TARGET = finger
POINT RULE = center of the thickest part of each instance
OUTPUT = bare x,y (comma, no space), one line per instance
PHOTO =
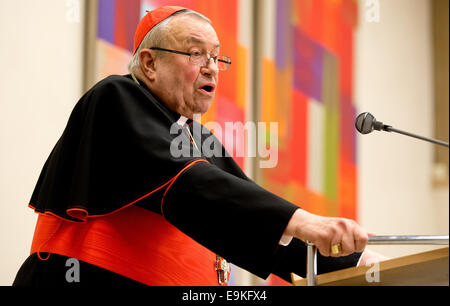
348,244
361,240
324,248
323,243
324,251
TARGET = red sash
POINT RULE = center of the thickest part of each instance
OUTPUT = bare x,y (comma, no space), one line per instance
132,242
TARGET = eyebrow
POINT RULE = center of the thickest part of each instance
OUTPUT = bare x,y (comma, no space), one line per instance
196,40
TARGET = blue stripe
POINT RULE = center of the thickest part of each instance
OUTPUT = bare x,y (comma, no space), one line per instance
106,12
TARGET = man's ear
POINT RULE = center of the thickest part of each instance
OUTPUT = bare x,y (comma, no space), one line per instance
147,63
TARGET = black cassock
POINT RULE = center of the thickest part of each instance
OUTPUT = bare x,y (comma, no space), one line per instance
116,148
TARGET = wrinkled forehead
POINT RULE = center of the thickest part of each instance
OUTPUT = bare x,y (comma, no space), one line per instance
187,31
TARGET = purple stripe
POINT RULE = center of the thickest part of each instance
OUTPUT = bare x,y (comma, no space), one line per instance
282,25
106,10
308,65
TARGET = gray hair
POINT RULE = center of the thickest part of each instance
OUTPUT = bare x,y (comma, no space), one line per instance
158,34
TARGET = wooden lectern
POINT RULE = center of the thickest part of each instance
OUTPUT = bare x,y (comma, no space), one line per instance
423,269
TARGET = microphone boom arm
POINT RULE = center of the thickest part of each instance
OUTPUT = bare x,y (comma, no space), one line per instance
388,128
365,123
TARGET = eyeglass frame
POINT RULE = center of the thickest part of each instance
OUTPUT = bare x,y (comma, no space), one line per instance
215,58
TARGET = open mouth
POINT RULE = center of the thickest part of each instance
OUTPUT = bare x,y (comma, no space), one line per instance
207,88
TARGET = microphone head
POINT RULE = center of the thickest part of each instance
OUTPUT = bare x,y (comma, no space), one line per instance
365,123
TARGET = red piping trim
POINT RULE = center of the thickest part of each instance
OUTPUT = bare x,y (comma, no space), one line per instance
73,211
175,178
38,252
188,136
78,213
47,212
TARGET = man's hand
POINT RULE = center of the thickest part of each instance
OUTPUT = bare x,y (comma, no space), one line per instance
325,232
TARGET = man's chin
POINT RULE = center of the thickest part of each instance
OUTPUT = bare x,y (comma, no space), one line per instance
203,107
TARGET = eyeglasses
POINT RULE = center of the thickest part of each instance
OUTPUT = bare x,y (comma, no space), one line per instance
202,59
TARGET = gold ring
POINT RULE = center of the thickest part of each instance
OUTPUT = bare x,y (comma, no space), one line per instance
336,248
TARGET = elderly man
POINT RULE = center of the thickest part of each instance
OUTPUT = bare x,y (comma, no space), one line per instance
115,207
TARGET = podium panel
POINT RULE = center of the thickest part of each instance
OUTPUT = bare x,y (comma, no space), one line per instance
423,269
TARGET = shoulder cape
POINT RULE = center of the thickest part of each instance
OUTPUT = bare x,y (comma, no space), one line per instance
114,151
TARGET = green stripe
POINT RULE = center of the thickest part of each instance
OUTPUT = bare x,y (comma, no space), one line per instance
330,95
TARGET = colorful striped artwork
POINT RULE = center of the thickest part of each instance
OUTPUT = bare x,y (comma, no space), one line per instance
307,84
306,87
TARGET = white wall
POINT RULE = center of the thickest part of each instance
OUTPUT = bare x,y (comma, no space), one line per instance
41,79
393,81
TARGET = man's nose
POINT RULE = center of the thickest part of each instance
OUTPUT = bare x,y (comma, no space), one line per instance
210,68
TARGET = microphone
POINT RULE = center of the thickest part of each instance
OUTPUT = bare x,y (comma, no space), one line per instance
365,123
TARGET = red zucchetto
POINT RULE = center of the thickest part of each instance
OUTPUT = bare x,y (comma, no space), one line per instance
150,20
